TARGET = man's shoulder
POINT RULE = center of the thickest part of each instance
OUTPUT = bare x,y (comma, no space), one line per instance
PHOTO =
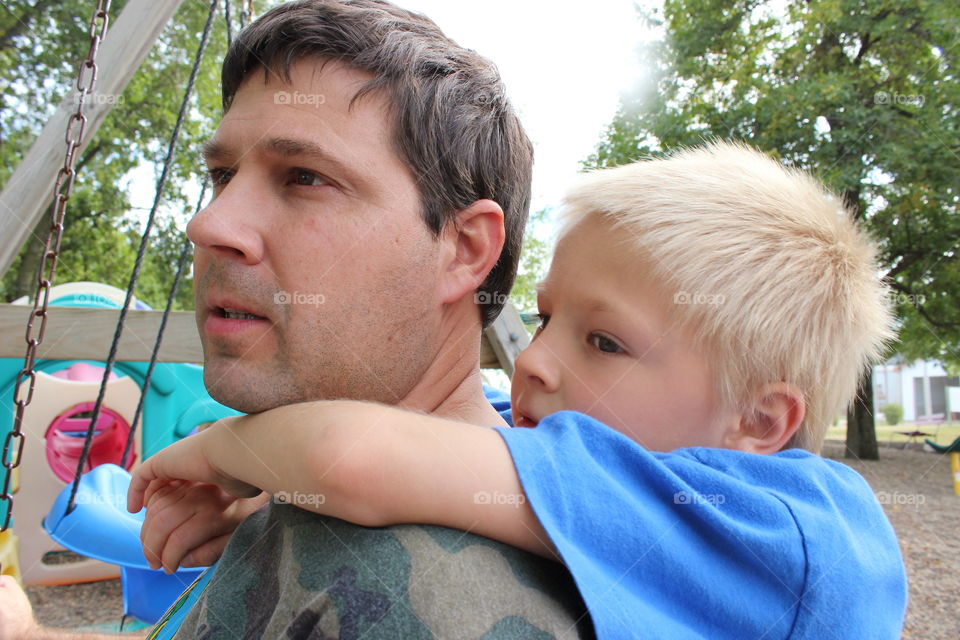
288,571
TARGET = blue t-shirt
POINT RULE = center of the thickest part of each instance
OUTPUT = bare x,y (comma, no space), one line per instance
711,543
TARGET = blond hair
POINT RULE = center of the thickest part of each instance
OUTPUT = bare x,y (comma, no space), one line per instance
766,268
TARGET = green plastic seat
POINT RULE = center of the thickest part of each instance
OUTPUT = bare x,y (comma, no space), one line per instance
953,447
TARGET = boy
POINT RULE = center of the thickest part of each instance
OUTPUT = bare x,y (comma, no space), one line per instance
707,315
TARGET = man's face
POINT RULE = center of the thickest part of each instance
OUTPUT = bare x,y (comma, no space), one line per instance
315,275
608,347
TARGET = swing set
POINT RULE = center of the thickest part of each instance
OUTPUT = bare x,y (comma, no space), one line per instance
91,445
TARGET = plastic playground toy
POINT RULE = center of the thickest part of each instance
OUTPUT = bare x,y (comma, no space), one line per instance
954,450
98,528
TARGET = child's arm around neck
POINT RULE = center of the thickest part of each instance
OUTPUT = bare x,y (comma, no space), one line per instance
369,464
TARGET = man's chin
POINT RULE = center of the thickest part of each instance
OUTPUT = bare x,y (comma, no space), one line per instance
244,395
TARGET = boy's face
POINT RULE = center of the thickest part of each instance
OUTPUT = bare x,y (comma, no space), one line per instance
608,347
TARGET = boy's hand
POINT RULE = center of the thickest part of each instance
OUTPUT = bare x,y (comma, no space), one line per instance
188,524
185,459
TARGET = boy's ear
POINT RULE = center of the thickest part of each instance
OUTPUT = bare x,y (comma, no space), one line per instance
472,243
768,424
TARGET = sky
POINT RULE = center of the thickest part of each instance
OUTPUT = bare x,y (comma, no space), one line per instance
564,64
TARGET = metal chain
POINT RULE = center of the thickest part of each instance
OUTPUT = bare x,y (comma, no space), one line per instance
246,13
154,355
229,21
86,79
141,252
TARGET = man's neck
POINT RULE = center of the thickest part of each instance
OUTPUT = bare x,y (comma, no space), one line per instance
451,387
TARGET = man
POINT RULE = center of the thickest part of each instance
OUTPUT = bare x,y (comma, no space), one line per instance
372,185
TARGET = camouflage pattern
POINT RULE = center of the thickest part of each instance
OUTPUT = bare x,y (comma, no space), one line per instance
292,574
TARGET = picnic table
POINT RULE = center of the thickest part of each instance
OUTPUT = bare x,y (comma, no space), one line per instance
933,420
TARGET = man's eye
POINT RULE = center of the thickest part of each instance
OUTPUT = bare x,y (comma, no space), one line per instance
542,320
308,178
605,344
219,177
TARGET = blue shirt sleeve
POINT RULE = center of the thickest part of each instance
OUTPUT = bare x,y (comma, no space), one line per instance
709,542
500,400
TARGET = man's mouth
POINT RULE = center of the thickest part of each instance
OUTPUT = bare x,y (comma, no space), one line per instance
235,314
228,319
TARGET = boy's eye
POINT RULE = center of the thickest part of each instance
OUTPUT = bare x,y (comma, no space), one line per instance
605,344
308,178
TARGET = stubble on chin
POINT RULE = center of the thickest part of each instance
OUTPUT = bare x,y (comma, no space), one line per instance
232,383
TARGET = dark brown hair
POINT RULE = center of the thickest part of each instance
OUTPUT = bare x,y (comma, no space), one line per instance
453,124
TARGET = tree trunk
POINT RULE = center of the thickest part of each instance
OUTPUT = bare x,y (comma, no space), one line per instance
26,282
861,428
27,270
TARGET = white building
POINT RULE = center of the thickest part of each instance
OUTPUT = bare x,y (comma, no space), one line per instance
920,387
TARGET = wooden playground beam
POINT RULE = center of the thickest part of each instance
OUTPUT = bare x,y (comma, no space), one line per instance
504,339
29,190
81,333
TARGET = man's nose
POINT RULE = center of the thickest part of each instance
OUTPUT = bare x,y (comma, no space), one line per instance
231,224
539,366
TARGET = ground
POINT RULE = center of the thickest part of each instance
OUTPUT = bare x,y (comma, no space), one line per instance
914,486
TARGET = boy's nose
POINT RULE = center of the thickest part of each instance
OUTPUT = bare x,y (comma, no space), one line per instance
537,367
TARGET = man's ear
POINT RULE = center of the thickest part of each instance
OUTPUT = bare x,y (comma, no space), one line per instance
768,424
472,243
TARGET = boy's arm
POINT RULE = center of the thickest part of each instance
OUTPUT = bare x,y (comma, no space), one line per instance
369,464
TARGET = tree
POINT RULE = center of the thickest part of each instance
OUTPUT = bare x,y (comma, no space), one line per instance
533,264
41,44
862,92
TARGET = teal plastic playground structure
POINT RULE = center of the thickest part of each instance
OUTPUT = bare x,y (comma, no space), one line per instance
175,404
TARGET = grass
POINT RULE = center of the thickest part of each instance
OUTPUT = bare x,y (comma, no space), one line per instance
948,432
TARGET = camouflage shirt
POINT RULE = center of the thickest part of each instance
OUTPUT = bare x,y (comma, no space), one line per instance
292,574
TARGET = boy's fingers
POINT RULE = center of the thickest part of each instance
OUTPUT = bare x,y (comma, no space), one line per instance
181,519
135,494
158,487
164,515
205,526
207,553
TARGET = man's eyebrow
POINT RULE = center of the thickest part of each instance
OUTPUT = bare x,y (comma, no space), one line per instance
213,151
287,147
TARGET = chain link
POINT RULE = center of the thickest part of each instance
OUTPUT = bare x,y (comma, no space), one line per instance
86,78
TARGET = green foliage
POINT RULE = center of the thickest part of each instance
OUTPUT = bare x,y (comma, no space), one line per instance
893,414
534,260
863,93
41,44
